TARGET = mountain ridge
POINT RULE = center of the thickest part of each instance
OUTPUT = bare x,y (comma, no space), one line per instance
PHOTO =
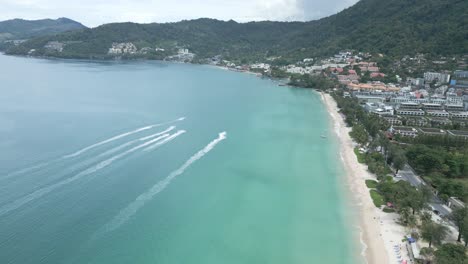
22,29
397,27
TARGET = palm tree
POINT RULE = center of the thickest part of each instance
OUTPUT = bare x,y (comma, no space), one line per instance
433,233
426,217
405,213
411,222
428,254
458,216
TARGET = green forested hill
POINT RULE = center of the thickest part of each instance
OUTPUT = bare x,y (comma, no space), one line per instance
394,27
23,29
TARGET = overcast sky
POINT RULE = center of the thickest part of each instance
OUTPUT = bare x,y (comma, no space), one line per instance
96,12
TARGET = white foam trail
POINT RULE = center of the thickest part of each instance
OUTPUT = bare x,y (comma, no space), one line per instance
43,191
81,151
118,148
157,134
172,137
125,214
22,171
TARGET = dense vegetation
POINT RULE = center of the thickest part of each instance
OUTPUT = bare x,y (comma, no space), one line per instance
448,164
23,29
312,81
445,169
396,27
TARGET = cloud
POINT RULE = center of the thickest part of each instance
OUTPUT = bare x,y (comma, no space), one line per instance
96,12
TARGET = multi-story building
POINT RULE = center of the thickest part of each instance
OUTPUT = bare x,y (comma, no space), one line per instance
432,132
455,107
405,112
438,113
460,74
393,120
404,131
439,121
459,115
432,106
409,106
436,76
416,121
459,133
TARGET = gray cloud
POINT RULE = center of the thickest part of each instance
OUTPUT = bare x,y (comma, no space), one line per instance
96,12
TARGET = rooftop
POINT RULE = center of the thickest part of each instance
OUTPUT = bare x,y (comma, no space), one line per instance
400,128
459,133
433,131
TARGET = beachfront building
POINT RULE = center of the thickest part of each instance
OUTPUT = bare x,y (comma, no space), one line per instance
345,79
379,109
432,106
437,113
406,112
455,107
410,106
393,120
122,48
54,46
416,121
459,115
373,86
439,121
458,133
404,131
370,99
260,66
432,132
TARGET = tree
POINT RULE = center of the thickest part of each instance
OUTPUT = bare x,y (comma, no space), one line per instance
399,160
411,222
458,216
417,198
465,231
359,134
450,254
433,233
427,253
426,217
404,214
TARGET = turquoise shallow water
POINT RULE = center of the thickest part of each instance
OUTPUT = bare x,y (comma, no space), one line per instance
78,183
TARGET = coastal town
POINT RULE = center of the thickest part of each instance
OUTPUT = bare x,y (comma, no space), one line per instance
426,109
414,116
406,122
264,131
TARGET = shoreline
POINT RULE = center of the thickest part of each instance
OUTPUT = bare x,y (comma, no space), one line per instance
378,231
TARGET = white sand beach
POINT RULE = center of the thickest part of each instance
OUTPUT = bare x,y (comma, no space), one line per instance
379,231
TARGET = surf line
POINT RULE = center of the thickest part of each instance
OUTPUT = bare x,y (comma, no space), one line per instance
43,191
124,215
81,151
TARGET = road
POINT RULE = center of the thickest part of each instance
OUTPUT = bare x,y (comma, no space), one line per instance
407,174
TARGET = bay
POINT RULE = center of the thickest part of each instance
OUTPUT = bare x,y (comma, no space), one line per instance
240,172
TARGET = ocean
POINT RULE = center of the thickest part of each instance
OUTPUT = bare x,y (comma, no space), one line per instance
154,162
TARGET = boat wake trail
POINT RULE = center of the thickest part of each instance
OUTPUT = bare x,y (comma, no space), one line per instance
43,191
170,138
125,214
81,151
118,148
25,170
